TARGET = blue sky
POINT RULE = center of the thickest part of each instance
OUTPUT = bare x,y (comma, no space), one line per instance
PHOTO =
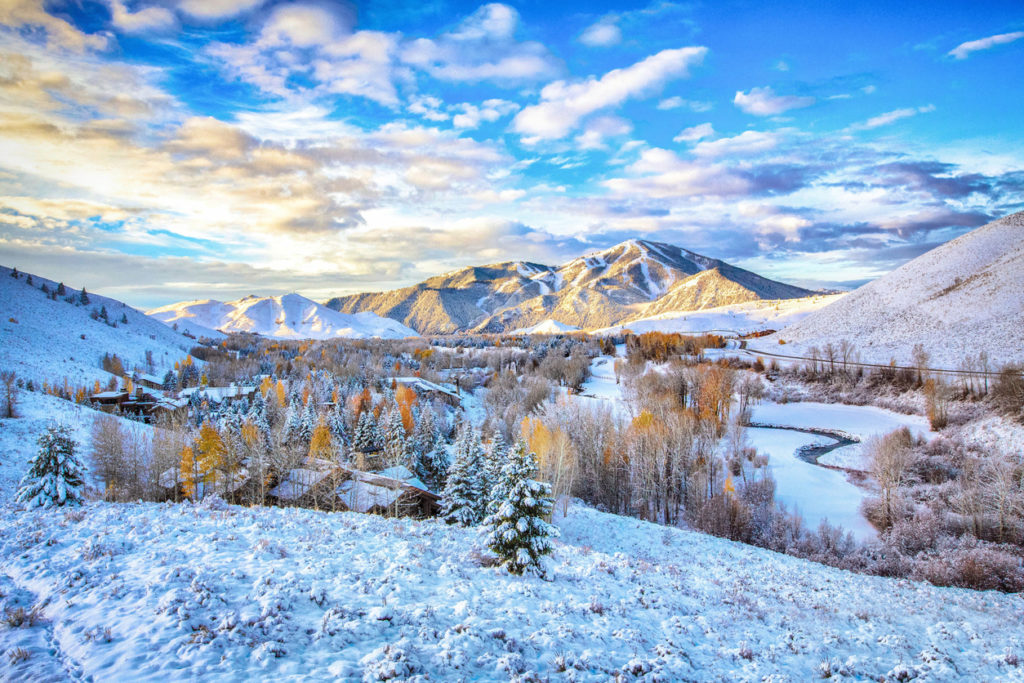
167,150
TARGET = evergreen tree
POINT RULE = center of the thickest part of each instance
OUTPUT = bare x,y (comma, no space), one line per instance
490,473
396,446
55,475
464,499
516,531
103,312
336,423
44,289
61,290
83,298
308,422
124,318
432,465
28,280
169,381
292,423
365,439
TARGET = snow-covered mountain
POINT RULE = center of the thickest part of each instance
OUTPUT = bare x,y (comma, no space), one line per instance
48,341
633,279
548,326
957,300
283,317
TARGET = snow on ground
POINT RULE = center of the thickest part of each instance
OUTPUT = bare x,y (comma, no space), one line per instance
738,318
601,388
284,317
156,592
549,326
858,422
46,340
994,434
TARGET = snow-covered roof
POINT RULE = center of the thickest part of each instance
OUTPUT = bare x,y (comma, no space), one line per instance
153,379
297,482
110,394
424,385
362,496
402,474
219,394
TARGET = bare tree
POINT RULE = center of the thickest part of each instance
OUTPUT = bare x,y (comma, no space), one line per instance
890,458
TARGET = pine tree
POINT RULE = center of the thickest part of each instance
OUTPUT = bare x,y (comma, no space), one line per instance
44,289
464,499
292,423
124,318
83,298
28,280
494,462
516,531
103,312
14,273
365,439
396,446
169,381
336,423
55,476
432,465
61,290
308,423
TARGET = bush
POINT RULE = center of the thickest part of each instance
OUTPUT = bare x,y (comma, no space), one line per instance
1007,394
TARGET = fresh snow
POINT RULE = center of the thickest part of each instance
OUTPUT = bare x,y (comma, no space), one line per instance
48,341
284,317
549,326
156,592
740,318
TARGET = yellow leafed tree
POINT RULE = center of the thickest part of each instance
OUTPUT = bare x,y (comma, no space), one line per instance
321,445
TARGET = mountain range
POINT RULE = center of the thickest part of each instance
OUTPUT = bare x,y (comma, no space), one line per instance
632,280
290,316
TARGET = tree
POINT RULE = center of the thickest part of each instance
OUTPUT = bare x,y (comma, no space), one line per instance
9,386
28,280
366,439
61,290
396,446
890,458
55,475
517,531
83,297
14,273
321,444
463,501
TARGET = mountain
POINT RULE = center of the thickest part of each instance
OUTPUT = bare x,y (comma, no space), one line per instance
549,326
48,341
284,317
958,299
636,278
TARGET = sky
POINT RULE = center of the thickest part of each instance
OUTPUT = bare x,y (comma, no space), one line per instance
166,150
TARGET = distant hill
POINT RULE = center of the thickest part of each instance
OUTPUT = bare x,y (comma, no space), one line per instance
46,340
634,279
283,317
958,299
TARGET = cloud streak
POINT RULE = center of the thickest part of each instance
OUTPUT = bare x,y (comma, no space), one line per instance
964,50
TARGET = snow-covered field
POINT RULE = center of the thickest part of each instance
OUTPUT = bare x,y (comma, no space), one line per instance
549,326
601,389
858,422
739,318
149,592
285,317
46,340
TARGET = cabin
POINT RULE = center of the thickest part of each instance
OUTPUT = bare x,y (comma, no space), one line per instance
394,492
108,401
427,389
148,381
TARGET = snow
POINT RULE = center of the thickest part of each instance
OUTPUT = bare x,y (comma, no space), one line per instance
548,326
858,422
740,318
957,299
48,341
182,592
290,316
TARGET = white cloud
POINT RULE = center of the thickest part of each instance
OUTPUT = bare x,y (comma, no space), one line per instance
747,142
601,34
59,33
146,19
564,104
482,47
217,9
661,174
472,116
302,26
892,116
963,50
704,130
597,130
764,102
678,103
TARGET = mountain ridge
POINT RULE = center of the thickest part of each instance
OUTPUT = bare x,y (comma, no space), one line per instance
597,289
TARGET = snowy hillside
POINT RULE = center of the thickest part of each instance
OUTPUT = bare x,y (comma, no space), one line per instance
742,318
283,317
957,300
548,326
47,340
153,592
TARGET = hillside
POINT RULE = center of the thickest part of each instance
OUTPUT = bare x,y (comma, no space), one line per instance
958,299
47,341
634,278
283,317
160,592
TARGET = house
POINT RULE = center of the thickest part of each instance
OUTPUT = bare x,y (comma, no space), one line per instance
393,492
428,389
108,401
148,381
219,395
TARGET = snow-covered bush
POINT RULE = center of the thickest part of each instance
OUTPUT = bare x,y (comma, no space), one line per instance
55,475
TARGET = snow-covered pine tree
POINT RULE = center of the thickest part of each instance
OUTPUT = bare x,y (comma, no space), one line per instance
517,531
292,422
336,423
169,381
83,297
55,475
493,463
308,423
464,500
396,446
365,439
432,465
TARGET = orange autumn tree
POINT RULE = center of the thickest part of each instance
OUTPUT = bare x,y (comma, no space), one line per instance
406,398
557,459
321,445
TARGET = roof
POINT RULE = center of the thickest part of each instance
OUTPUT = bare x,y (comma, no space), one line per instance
297,482
150,378
402,474
421,384
218,394
110,394
361,496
